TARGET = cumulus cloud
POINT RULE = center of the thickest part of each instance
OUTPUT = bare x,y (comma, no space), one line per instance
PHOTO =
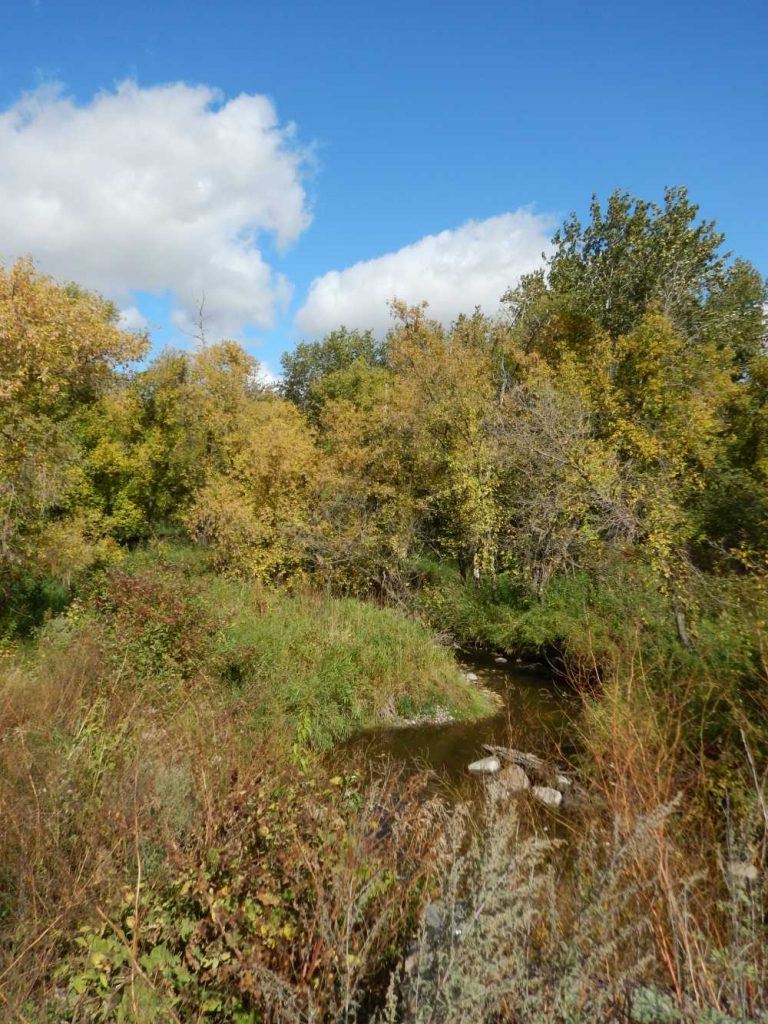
454,271
163,189
132,319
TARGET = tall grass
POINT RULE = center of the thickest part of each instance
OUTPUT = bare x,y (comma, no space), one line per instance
704,876
128,724
326,667
171,849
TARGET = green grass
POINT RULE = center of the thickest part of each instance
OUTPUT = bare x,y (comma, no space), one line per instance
597,617
318,668
307,669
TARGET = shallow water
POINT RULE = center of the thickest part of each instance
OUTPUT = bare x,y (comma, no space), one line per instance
537,716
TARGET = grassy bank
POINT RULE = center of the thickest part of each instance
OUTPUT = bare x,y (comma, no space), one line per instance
173,850
141,730
306,668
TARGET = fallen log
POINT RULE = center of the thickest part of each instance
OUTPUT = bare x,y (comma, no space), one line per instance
519,757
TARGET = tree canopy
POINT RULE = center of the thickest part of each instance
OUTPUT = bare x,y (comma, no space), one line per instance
618,403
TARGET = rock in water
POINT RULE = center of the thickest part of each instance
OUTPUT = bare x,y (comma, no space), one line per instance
547,795
486,766
500,660
513,779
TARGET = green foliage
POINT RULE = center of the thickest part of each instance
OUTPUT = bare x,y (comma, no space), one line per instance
616,618
634,255
343,355
293,913
339,665
663,341
622,401
579,616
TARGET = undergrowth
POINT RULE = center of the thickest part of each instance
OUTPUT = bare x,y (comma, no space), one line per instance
173,850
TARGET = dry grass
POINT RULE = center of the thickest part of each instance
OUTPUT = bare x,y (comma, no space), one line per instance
706,926
116,794
634,912
92,768
132,810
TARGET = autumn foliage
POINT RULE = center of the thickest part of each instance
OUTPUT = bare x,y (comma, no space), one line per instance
205,580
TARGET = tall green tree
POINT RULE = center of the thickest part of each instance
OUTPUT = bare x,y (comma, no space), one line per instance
633,256
671,335
305,371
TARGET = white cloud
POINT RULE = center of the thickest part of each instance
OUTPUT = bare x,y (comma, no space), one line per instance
266,375
454,271
132,319
160,189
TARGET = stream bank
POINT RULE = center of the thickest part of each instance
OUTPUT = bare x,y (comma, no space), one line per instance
535,713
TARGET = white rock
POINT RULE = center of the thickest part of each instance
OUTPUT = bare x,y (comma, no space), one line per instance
471,677
547,795
512,779
742,870
500,660
486,766
563,782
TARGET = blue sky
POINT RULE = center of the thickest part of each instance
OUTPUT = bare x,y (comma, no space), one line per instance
410,120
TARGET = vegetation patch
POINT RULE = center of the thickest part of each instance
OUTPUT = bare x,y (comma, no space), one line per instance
204,580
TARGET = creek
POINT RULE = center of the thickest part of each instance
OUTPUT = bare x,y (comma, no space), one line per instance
535,714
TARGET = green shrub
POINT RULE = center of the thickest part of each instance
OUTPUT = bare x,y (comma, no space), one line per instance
295,912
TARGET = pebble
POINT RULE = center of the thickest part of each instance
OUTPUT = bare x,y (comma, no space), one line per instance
548,796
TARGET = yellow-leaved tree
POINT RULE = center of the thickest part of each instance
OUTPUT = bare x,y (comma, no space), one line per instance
60,350
259,462
443,404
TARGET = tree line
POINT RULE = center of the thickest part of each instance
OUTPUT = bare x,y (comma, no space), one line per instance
617,406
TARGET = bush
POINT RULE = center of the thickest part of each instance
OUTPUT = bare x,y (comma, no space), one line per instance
294,913
154,622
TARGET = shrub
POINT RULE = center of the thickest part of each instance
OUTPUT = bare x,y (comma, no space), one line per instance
154,621
295,913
